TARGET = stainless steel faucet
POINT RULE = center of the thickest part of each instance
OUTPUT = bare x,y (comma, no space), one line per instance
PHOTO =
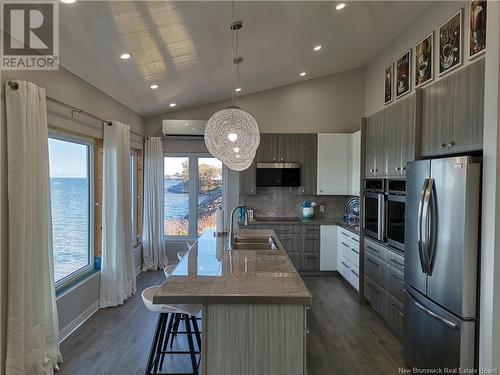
231,224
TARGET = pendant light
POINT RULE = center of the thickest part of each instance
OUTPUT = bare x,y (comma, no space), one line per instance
231,134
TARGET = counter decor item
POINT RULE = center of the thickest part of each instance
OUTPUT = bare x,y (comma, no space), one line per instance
219,222
351,210
308,210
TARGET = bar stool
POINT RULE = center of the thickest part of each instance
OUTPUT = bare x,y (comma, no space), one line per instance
169,315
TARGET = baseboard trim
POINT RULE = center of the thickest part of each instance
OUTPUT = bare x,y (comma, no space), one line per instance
80,319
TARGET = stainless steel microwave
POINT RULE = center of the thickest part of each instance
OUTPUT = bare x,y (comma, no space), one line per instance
278,174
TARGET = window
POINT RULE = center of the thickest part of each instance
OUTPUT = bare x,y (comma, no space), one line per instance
190,203
71,200
133,194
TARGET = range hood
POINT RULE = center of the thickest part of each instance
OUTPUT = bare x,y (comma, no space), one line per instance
278,174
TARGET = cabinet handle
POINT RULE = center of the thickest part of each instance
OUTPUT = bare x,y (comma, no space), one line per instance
442,145
373,287
373,262
354,239
403,168
355,273
343,243
372,249
356,251
321,191
451,144
398,168
345,265
397,277
396,262
376,170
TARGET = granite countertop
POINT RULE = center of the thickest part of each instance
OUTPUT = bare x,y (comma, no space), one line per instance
211,274
297,221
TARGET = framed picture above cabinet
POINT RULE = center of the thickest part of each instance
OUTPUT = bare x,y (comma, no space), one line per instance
477,28
403,74
423,66
388,82
450,43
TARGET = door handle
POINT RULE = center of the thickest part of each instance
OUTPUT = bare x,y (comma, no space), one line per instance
426,218
432,227
423,263
430,312
435,316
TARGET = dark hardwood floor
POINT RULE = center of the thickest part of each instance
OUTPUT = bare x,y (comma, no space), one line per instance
344,338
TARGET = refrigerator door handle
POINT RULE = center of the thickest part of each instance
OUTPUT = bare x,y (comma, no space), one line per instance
432,226
423,264
430,312
426,227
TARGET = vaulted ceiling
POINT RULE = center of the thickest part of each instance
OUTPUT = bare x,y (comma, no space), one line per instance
185,47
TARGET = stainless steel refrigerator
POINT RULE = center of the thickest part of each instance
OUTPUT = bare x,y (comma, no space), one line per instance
441,262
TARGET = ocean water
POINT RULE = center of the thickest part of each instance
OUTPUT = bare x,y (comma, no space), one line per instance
70,221
70,224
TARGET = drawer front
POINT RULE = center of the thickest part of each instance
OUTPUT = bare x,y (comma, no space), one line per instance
308,229
296,259
394,314
353,277
310,243
375,295
375,250
375,268
348,236
395,260
310,262
395,282
344,268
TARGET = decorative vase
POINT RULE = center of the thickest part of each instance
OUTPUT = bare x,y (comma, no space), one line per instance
308,213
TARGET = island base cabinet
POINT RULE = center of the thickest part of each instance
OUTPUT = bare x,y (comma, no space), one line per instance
254,339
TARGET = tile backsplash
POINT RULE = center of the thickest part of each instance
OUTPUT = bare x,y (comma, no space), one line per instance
287,202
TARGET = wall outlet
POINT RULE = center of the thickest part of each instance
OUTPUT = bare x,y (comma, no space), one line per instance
321,208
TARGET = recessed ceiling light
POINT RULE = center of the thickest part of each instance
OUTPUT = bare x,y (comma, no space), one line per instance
125,56
237,89
68,1
303,74
172,104
154,86
317,48
340,6
186,124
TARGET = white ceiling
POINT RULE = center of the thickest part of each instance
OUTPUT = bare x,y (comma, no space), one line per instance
185,46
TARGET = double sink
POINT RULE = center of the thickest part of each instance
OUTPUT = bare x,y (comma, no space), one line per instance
242,242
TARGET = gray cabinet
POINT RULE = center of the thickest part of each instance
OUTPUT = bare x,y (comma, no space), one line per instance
297,148
453,111
307,150
384,275
390,139
301,242
247,180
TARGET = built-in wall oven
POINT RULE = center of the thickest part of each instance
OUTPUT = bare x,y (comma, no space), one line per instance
374,215
395,213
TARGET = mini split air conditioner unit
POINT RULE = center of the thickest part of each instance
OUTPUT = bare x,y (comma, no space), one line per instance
190,128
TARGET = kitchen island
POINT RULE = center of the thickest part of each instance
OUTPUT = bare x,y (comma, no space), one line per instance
254,304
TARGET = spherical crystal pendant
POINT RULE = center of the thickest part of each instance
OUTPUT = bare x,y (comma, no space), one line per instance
232,136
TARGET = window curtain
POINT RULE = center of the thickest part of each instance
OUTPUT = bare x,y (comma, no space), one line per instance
117,265
32,326
153,247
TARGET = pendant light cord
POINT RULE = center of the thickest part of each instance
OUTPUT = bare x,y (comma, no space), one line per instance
236,59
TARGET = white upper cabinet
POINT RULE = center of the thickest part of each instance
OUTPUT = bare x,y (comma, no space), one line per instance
354,162
338,164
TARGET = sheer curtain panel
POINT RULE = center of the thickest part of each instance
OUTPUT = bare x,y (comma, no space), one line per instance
117,266
153,247
32,342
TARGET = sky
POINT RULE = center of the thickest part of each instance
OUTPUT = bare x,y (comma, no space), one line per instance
67,159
